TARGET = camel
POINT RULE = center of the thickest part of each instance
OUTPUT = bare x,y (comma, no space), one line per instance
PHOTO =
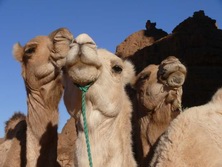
42,60
157,101
194,138
108,108
13,146
66,144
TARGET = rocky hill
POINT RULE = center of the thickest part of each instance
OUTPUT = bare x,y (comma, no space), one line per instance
196,41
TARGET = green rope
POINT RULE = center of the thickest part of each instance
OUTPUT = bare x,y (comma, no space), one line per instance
84,89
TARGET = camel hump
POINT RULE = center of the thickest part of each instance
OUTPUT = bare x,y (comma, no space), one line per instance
217,97
13,124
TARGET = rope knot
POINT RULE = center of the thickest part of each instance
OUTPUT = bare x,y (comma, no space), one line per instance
84,88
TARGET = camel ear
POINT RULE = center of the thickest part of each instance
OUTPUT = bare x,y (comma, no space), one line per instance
18,52
61,35
128,72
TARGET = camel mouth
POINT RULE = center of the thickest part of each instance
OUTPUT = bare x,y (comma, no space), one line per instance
176,79
172,72
83,64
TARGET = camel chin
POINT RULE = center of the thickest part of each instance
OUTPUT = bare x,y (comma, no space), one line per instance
82,74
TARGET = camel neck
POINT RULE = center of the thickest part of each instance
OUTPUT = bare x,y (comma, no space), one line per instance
42,125
42,112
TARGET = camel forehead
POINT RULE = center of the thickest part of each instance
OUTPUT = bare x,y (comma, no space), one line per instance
40,40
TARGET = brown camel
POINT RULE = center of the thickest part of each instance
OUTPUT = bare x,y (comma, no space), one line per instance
157,102
194,138
108,108
13,146
66,144
42,59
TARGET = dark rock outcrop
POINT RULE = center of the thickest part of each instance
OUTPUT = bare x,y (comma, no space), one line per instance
139,40
197,42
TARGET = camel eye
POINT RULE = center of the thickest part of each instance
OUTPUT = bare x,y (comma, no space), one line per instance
30,50
145,75
117,69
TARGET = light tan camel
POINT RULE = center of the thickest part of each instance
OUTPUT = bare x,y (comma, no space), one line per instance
13,147
42,59
158,102
194,138
108,108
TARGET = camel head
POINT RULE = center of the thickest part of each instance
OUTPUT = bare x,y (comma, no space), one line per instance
85,63
43,57
159,85
107,73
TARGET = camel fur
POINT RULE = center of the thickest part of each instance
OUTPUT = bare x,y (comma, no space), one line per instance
42,59
194,138
108,108
157,101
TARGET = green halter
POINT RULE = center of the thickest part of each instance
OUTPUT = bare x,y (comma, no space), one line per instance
84,89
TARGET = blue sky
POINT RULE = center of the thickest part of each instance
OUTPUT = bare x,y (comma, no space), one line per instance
107,22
